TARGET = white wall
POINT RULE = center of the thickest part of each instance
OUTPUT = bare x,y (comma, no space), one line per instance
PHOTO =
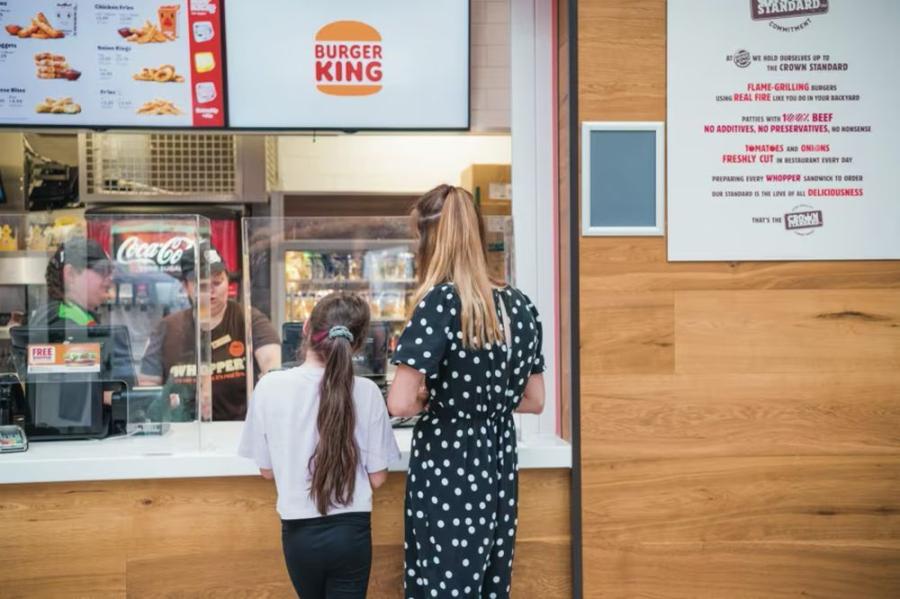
383,163
490,65
534,205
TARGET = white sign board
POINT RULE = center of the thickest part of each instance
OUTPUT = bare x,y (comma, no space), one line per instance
783,129
354,64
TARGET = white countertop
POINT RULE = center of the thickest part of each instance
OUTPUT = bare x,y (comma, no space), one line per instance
190,450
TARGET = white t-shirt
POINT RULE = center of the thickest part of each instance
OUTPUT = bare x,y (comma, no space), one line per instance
280,434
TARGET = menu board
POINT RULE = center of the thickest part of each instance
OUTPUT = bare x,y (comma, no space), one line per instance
111,64
353,64
782,129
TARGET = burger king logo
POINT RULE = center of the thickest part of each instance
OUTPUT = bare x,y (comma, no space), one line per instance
348,59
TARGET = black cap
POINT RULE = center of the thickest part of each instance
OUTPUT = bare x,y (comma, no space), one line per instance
82,253
208,253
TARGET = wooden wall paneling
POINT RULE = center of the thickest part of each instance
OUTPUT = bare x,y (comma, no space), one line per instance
223,571
542,569
654,417
755,455
171,517
825,330
622,60
220,537
827,499
52,545
637,276
627,333
637,264
774,570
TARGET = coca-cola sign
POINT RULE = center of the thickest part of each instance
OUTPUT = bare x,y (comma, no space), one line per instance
164,254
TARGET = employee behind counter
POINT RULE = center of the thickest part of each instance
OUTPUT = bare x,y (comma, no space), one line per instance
79,277
169,357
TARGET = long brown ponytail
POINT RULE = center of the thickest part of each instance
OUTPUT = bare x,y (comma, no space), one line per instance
337,328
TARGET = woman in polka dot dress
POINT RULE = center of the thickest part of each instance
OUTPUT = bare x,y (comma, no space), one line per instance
470,356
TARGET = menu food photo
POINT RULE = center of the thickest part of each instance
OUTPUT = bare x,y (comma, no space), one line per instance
111,64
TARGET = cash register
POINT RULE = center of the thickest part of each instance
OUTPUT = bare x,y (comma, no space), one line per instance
79,382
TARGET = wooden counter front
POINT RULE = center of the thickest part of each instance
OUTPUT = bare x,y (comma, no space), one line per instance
220,537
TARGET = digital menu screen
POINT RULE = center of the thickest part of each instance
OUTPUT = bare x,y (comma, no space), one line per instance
111,64
354,64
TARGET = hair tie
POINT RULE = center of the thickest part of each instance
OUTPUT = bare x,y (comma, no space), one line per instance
340,331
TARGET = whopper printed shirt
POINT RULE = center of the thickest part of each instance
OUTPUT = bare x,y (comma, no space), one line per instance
170,355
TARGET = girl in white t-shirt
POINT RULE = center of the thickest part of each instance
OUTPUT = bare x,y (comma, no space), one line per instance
325,437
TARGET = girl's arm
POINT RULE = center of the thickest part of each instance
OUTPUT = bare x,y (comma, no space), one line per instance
376,479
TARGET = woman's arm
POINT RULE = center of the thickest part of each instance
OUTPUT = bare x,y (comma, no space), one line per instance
404,397
533,397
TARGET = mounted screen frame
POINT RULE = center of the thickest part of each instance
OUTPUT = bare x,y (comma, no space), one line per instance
461,127
168,74
224,93
635,155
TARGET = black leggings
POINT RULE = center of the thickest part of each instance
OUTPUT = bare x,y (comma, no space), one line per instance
329,557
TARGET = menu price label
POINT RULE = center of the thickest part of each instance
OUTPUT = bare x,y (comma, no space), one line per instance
782,130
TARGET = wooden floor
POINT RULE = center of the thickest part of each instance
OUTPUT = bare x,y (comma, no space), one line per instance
220,537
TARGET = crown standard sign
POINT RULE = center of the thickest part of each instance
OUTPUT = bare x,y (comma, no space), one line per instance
780,9
782,130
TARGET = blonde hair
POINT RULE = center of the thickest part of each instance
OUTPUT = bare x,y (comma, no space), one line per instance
451,250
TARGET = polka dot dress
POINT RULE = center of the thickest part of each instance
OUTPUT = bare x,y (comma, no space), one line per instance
462,485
